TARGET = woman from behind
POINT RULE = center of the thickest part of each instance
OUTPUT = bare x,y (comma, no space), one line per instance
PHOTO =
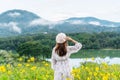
60,56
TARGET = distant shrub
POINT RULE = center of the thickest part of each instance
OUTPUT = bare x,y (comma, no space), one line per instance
7,57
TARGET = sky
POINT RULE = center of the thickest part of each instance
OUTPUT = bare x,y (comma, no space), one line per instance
56,10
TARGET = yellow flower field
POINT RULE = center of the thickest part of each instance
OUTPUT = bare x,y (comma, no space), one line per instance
42,71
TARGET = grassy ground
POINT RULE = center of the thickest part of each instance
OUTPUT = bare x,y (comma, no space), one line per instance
42,71
97,53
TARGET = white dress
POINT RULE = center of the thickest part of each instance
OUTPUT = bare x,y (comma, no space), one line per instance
60,65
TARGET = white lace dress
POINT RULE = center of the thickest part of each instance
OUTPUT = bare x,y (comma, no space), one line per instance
60,65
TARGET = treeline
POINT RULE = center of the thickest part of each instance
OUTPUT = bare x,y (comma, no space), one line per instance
42,44
99,40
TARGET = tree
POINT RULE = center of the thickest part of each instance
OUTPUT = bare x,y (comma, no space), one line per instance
31,48
46,51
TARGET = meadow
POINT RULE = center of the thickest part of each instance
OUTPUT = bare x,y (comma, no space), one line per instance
41,70
97,53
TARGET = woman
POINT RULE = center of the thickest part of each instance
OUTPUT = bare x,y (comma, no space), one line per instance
60,56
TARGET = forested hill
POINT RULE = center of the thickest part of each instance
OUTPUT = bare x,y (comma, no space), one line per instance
20,22
89,41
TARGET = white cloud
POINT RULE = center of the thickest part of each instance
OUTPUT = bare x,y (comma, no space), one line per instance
77,22
14,14
94,23
15,27
39,22
50,9
50,24
3,24
12,26
111,25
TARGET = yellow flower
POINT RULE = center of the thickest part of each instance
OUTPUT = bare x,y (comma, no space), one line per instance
97,68
20,59
2,69
86,68
22,71
19,65
27,65
33,68
9,72
47,76
28,60
88,78
68,79
90,73
8,65
77,76
82,67
46,64
43,62
95,74
32,59
105,78
105,65
75,71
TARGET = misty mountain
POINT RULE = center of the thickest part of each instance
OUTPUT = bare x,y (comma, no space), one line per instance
87,24
20,22
93,21
15,22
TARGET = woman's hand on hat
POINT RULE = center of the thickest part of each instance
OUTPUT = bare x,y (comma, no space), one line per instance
68,38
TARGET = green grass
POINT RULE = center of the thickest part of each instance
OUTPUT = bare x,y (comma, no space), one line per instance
42,71
97,53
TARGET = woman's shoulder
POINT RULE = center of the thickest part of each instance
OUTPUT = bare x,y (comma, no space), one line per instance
53,49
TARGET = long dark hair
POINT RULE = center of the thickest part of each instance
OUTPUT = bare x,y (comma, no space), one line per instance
61,49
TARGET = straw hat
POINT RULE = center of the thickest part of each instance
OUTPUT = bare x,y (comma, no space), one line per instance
61,38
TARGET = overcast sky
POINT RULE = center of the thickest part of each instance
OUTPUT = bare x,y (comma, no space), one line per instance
55,10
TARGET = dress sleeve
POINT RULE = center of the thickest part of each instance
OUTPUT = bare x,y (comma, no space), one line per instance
75,48
53,60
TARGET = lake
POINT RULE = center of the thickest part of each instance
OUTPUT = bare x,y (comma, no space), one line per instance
75,62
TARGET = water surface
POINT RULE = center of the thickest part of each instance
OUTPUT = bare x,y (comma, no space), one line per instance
75,62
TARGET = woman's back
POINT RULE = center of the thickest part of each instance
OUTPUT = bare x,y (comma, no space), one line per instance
60,56
70,50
